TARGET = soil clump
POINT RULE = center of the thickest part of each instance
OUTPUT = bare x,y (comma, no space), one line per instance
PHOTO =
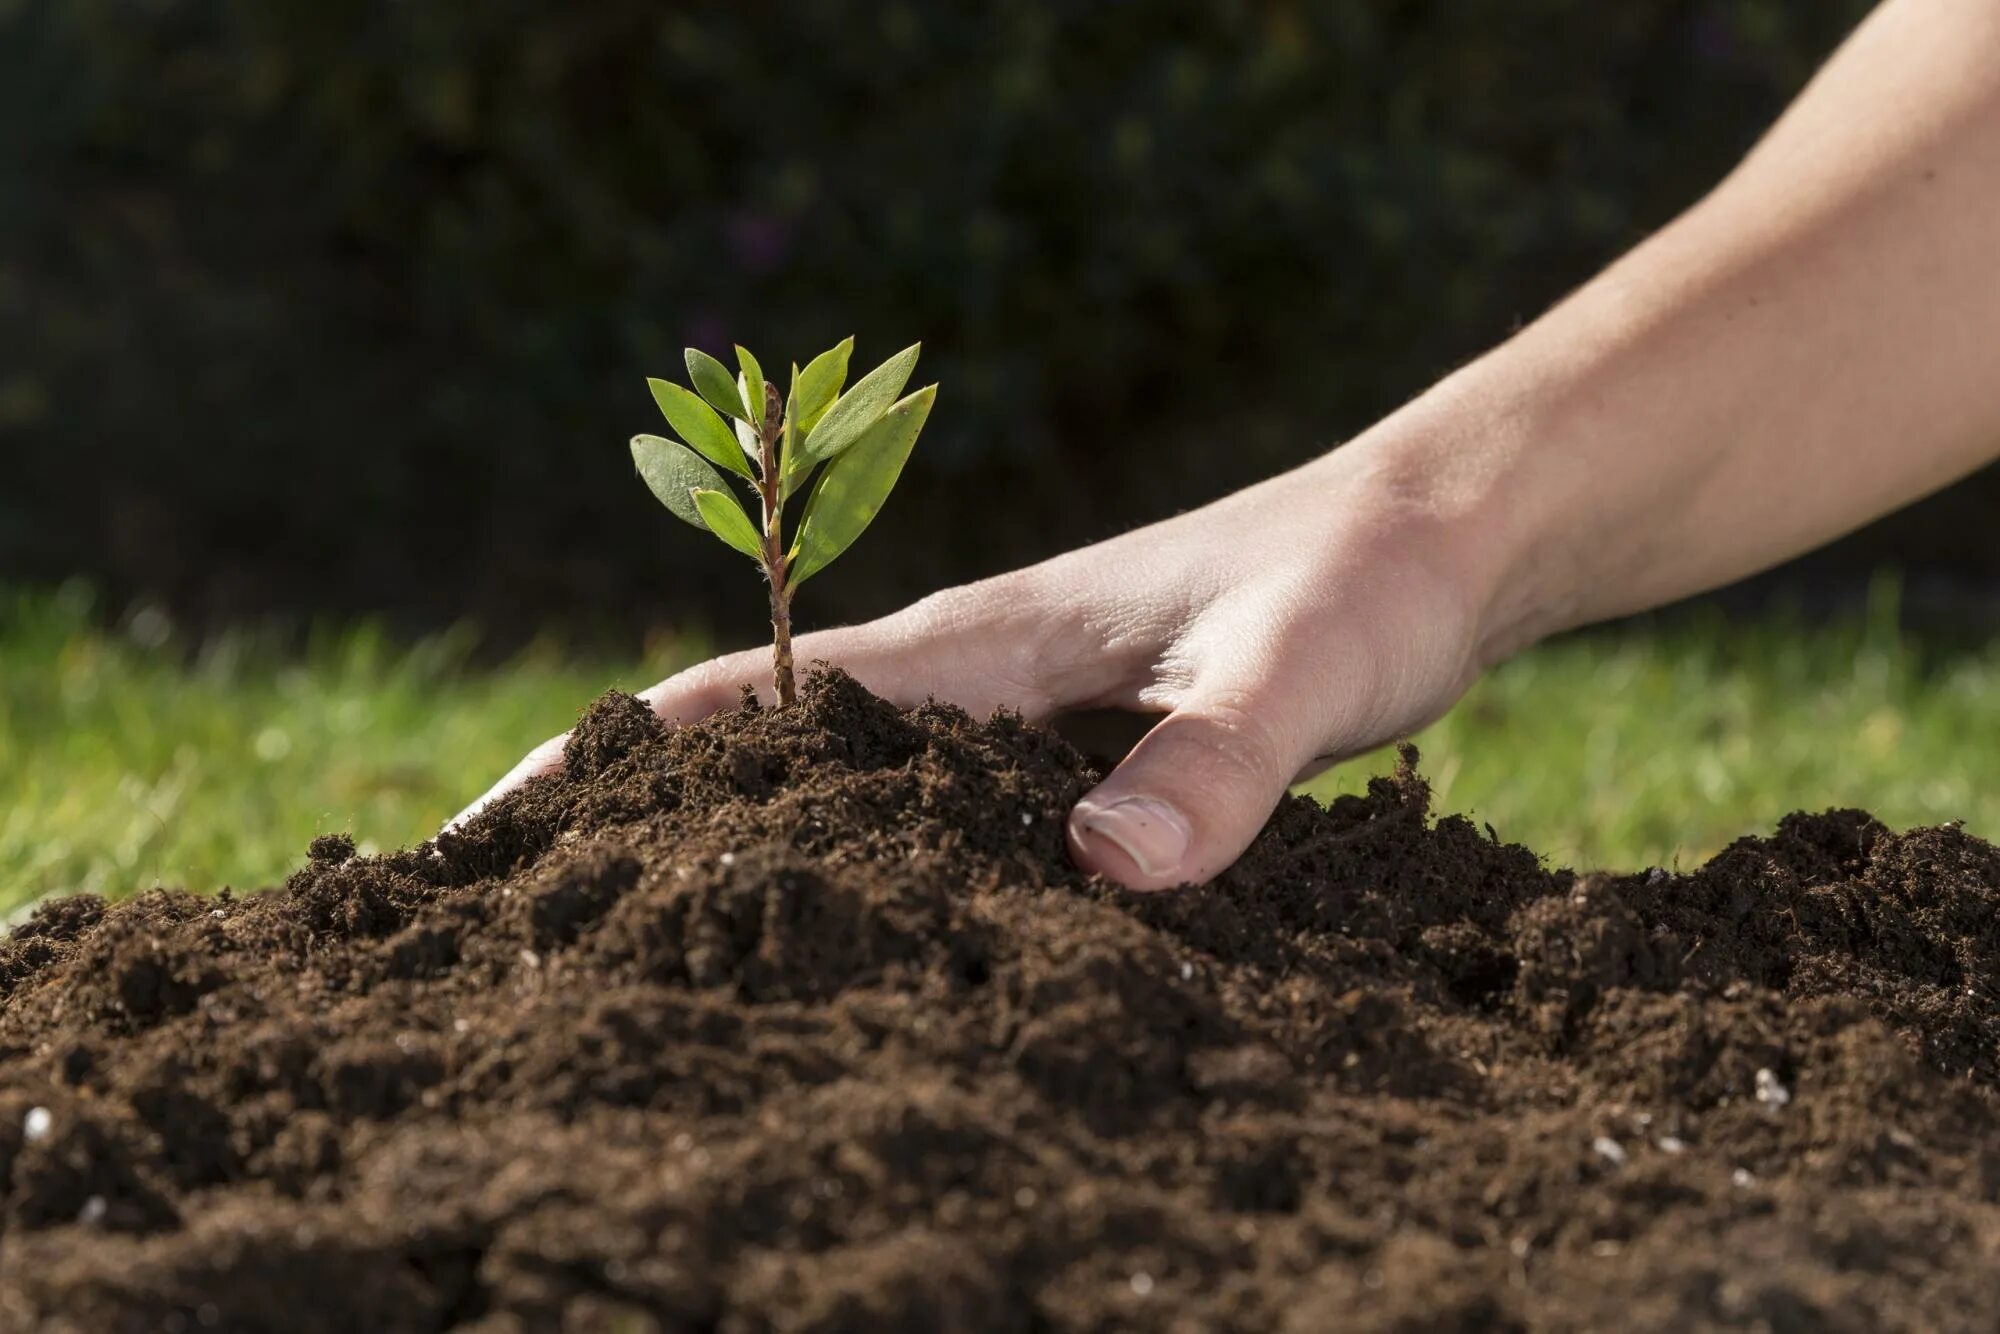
803,1020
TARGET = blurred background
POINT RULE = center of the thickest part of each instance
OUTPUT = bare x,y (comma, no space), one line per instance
323,327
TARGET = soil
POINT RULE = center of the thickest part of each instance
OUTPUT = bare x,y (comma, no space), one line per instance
802,1019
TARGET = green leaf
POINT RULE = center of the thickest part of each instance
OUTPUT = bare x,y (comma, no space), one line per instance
672,470
715,382
851,491
788,443
857,409
727,521
753,448
814,391
699,426
753,385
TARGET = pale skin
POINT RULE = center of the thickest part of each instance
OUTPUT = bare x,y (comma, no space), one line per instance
1814,344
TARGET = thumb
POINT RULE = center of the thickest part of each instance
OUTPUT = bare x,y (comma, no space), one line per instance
1189,798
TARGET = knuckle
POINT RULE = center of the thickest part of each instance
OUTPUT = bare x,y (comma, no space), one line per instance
954,613
1233,734
1000,646
964,607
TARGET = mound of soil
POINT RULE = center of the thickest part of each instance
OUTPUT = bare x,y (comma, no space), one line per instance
802,1020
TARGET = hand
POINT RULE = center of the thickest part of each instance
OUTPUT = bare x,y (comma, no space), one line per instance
1715,402
1308,618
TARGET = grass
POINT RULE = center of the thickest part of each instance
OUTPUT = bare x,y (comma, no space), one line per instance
1659,745
128,759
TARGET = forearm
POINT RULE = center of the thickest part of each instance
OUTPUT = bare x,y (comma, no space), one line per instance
1815,344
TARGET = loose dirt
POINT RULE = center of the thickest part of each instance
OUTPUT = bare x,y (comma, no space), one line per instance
803,1020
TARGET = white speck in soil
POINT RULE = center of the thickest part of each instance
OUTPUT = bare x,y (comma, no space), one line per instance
1672,1144
1187,972
1609,1149
1770,1091
531,959
1518,1248
37,1124
1027,818
1741,1177
727,859
1656,876
1142,1283
217,913
460,1025
92,1212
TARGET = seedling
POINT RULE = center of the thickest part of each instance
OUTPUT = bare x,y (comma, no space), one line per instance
856,443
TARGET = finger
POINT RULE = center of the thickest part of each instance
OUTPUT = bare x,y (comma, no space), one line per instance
964,647
882,655
981,648
1192,794
540,760
688,696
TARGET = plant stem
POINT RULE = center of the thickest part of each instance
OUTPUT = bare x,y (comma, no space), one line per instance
768,488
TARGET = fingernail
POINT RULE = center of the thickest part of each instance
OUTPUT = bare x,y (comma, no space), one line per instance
1153,834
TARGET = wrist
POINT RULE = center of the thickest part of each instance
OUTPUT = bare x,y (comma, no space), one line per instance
1551,472
1444,483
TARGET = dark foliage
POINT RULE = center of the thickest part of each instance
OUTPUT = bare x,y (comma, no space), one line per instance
350,305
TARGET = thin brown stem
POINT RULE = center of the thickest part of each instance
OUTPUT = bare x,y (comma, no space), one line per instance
769,486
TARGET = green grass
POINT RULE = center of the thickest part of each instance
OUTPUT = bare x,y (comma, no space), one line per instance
128,759
1659,746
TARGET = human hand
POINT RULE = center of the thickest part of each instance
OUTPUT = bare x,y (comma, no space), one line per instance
1715,402
1308,618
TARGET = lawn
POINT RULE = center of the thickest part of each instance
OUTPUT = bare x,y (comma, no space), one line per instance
129,758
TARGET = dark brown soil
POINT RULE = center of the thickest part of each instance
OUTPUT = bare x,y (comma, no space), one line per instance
802,1020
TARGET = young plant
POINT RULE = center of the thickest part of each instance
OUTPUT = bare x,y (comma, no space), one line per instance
855,441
